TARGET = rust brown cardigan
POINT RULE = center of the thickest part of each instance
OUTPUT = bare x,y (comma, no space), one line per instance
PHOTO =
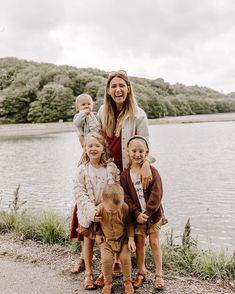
153,196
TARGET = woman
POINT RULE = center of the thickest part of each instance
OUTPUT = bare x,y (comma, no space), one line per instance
121,119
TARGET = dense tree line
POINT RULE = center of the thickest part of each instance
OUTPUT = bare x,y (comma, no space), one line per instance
42,92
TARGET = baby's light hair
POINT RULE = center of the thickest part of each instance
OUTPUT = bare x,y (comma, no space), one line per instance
83,95
105,156
113,192
79,97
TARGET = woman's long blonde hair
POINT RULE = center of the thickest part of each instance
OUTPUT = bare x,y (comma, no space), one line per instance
106,155
129,109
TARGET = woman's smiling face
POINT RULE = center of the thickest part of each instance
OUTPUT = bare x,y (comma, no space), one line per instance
118,90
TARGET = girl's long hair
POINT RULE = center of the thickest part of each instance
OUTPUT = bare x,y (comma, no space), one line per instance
105,156
129,109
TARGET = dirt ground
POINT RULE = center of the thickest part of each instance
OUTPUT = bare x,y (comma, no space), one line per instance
29,267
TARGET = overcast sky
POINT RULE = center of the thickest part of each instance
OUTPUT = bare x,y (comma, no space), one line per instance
186,41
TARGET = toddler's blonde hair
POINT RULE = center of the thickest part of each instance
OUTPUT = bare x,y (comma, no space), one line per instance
113,192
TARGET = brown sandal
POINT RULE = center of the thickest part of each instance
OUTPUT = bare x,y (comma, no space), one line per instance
99,282
80,267
88,282
107,289
159,282
128,287
139,280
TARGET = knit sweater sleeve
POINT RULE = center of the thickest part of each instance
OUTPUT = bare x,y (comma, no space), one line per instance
79,119
156,191
85,201
142,124
128,194
113,173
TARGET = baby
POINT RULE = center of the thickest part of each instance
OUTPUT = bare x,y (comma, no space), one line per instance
85,120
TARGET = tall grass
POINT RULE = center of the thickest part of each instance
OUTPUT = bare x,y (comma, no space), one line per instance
186,259
48,228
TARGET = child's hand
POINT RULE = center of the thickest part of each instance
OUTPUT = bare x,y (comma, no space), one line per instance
97,218
99,239
142,218
131,244
85,108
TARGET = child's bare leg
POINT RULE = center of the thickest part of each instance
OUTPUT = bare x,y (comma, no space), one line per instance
140,258
140,253
81,256
88,254
156,251
157,257
80,265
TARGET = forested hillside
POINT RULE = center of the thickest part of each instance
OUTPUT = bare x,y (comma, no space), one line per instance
42,92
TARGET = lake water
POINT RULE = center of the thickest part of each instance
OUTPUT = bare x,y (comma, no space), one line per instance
196,162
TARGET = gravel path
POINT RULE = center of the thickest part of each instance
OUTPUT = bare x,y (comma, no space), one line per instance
30,267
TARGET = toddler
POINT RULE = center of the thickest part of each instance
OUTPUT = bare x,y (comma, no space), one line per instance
118,235
85,120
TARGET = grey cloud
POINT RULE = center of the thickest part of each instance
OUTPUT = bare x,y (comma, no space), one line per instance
28,29
178,38
156,28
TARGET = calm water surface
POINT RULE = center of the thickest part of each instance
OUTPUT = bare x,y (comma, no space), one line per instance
196,162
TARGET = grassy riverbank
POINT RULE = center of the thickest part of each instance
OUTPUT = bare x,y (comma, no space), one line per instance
182,259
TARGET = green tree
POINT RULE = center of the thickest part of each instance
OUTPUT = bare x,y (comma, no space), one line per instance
54,103
15,103
181,105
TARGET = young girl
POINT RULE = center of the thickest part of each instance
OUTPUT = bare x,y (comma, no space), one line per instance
86,121
95,170
146,208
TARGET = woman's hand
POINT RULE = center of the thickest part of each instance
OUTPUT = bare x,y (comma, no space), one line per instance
145,174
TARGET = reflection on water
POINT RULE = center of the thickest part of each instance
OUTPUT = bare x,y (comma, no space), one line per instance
196,162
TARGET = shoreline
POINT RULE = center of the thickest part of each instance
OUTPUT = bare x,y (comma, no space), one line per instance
37,129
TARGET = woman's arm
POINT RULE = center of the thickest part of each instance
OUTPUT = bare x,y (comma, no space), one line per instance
134,209
145,174
142,130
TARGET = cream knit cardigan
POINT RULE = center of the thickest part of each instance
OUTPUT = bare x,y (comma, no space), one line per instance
131,127
84,194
